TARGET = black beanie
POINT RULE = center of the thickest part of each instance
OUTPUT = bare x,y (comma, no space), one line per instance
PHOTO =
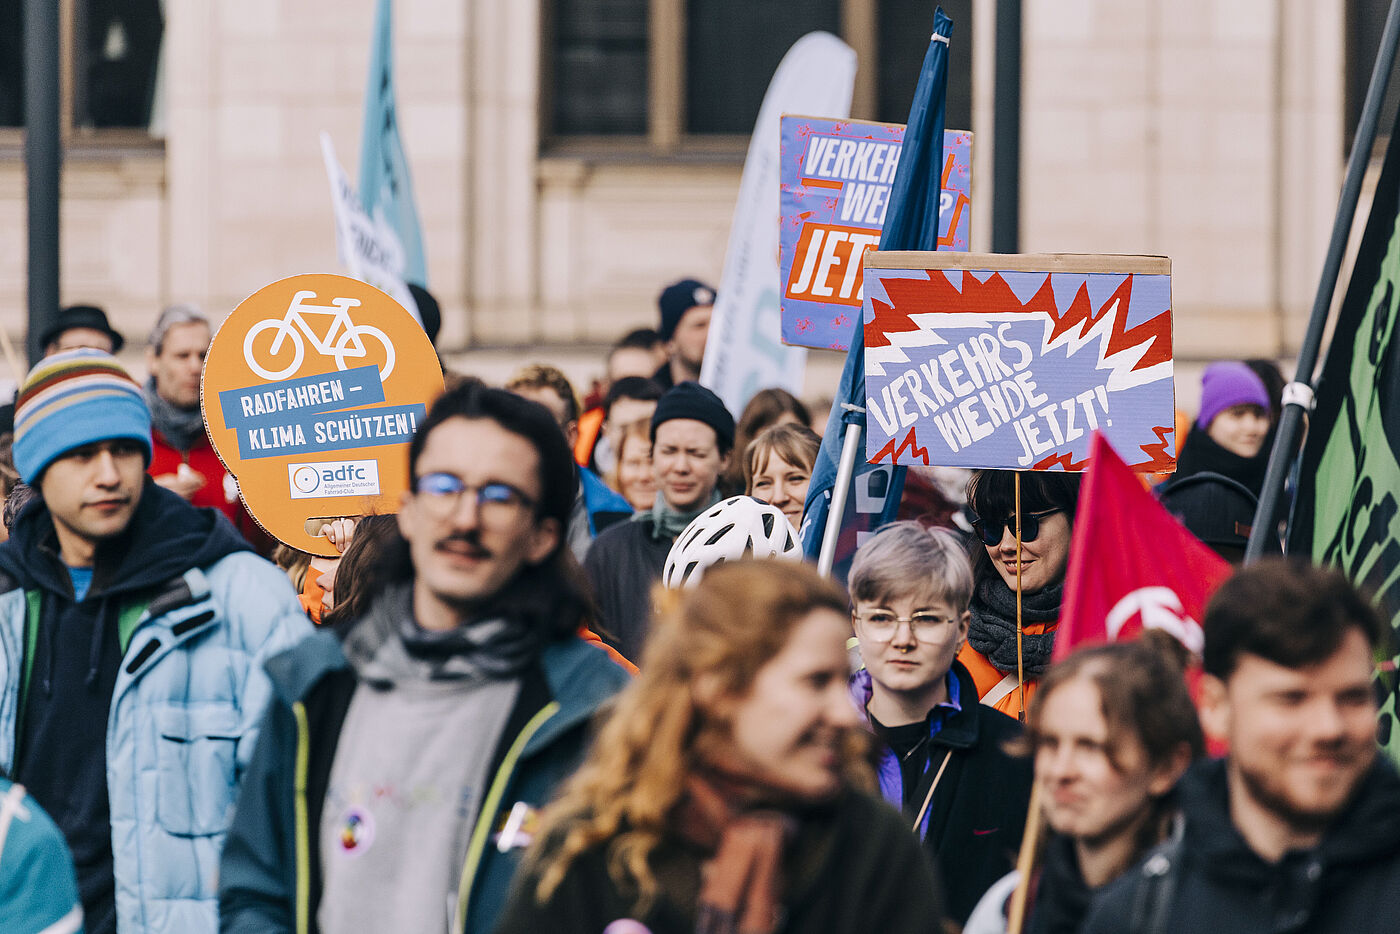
691,400
675,300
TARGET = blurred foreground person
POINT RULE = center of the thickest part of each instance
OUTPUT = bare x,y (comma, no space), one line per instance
942,759
1298,829
401,744
1048,502
38,894
724,792
1110,732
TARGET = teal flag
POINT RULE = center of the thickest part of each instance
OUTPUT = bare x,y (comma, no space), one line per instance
386,190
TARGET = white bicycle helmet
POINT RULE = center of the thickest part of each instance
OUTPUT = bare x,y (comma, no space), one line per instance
739,527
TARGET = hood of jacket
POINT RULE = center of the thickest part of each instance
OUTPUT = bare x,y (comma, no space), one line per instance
1367,829
166,537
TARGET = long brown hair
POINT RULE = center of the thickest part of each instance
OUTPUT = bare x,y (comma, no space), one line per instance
722,633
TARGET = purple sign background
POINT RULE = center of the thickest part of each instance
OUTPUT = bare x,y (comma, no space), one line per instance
987,367
836,180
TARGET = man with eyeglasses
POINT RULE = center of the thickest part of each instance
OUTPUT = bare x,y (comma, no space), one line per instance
402,763
941,754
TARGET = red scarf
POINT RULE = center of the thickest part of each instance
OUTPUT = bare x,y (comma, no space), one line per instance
741,884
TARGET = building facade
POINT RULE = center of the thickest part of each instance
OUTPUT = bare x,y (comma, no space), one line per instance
572,156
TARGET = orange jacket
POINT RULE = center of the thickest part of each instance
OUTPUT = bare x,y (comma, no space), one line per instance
987,677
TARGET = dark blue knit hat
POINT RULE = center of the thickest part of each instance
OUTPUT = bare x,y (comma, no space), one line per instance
691,400
677,299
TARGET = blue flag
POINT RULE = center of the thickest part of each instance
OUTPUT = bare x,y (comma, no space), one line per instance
386,190
910,224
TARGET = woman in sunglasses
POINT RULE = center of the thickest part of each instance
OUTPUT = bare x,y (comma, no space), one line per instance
1048,501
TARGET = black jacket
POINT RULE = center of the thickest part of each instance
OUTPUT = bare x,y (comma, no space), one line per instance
624,563
978,811
853,866
1348,884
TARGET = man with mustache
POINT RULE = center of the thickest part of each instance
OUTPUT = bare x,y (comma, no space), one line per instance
396,780
133,630
1298,829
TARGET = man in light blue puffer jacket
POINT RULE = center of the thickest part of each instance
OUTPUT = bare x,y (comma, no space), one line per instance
133,630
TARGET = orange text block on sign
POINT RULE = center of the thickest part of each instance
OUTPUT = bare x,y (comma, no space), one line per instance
827,263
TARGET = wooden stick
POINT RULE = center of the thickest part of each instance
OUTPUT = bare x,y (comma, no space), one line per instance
1020,654
1025,864
9,348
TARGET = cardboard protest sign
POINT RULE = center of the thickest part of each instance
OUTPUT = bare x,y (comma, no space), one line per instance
1011,361
836,180
312,389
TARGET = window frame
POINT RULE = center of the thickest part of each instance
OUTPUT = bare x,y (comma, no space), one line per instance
75,140
666,136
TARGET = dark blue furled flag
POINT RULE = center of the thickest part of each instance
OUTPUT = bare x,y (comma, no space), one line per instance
910,224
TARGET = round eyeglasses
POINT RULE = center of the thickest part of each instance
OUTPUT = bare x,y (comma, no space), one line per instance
441,495
881,625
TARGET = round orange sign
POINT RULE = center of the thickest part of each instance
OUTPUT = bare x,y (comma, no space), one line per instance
312,390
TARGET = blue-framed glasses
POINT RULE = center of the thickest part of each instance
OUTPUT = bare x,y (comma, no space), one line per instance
441,495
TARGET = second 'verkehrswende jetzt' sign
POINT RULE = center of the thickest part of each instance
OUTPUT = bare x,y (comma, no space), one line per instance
1012,361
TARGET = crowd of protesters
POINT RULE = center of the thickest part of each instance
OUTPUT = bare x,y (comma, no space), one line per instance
583,681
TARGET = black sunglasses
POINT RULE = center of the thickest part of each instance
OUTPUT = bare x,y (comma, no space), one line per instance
990,530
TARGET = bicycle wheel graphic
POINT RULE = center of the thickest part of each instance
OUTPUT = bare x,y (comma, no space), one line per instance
278,367
352,346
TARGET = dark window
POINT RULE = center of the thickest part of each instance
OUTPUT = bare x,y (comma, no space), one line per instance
11,64
115,61
902,39
113,54
599,67
733,47
1365,24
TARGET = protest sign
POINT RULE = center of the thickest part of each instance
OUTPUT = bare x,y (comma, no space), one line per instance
744,352
369,249
1012,361
312,389
836,180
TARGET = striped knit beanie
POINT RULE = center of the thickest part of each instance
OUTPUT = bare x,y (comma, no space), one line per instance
72,399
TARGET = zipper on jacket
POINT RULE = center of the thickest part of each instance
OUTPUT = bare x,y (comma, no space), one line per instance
487,818
302,831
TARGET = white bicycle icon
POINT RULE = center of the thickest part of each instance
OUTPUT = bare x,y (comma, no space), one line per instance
344,339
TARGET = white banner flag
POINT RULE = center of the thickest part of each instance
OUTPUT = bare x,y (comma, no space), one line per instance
370,251
744,352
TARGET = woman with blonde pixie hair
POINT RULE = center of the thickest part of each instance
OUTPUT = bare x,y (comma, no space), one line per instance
726,792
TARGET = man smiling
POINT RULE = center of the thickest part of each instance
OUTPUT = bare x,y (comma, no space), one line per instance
1298,829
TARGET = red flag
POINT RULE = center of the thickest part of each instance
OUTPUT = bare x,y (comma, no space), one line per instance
1133,565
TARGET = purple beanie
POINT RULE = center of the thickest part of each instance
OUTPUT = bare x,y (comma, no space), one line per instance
1226,384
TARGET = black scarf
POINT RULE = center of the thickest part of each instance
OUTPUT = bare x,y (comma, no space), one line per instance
181,427
1200,452
388,646
993,628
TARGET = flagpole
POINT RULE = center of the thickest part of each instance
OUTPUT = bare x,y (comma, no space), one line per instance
845,472
1020,655
1298,395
